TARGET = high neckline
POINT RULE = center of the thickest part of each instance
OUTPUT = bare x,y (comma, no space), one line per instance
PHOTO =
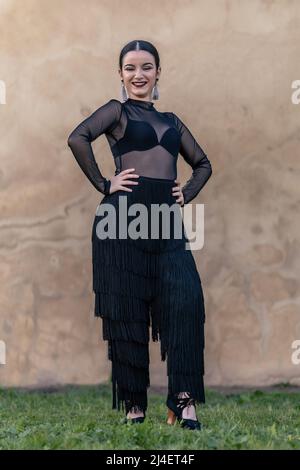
142,103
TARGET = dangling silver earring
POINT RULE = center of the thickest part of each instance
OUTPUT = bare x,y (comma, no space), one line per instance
155,93
124,96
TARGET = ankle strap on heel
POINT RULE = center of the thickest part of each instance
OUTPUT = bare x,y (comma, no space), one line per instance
182,401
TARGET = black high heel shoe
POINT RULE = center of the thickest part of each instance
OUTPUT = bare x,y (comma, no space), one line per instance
175,408
140,419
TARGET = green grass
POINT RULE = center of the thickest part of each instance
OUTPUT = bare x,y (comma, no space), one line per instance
82,418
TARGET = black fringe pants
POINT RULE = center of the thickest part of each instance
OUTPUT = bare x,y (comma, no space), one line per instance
140,283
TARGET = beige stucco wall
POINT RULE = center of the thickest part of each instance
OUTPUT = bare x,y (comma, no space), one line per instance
227,69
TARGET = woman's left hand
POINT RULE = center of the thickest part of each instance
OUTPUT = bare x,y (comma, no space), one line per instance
176,190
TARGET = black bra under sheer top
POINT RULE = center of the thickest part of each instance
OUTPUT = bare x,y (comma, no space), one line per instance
143,138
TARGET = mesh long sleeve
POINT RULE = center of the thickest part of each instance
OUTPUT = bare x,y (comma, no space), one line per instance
103,120
194,155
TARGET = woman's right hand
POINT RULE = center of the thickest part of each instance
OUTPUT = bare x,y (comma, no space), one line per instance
117,182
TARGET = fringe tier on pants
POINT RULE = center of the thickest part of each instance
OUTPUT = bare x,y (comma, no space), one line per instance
143,283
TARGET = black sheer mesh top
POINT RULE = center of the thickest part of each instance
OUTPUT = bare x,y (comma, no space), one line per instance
143,138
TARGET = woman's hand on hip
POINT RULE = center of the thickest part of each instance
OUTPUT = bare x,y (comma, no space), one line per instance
176,190
118,181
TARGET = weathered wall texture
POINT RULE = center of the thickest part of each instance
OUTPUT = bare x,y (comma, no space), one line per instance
227,69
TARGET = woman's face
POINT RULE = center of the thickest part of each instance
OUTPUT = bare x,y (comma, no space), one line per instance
139,67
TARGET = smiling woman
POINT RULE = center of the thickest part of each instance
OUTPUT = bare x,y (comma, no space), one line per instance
139,281
139,71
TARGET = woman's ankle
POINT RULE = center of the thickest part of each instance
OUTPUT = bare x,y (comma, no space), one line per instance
135,413
188,412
